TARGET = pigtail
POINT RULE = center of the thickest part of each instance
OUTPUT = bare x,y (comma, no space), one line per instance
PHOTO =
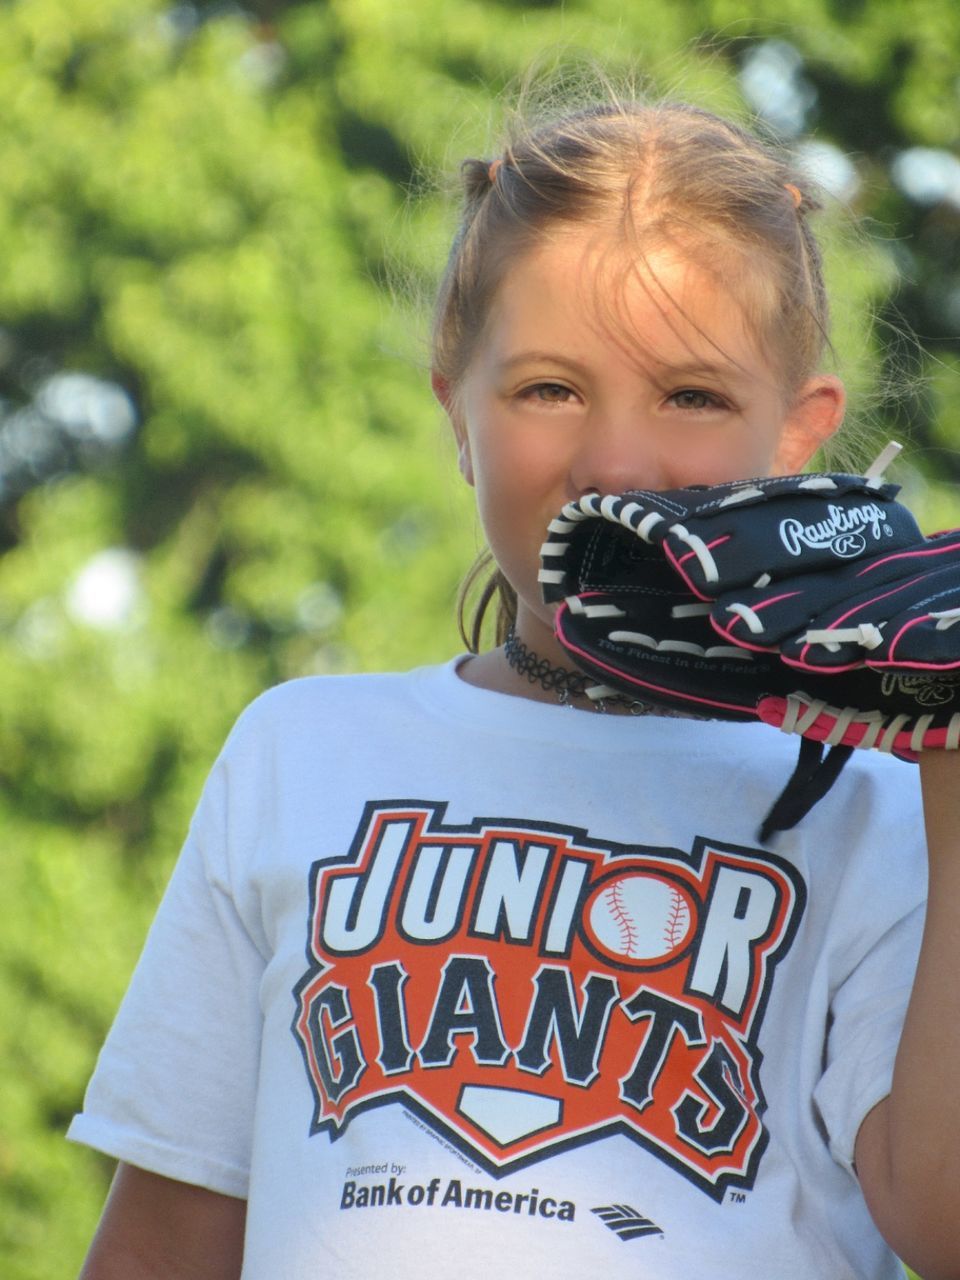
494,591
476,179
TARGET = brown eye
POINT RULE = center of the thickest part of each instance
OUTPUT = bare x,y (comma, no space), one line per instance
551,392
693,399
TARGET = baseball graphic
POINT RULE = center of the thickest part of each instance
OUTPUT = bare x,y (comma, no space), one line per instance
640,918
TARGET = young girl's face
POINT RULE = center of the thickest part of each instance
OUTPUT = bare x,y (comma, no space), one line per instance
559,400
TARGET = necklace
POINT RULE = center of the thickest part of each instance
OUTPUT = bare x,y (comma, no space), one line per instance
566,684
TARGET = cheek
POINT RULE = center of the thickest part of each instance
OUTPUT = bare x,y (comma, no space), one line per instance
514,519
514,463
737,456
508,525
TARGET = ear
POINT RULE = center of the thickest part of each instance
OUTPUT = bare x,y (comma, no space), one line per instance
445,394
815,415
441,389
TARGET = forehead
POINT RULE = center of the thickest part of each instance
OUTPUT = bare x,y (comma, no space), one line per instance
662,307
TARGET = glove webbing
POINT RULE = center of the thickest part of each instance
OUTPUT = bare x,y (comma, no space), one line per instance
810,781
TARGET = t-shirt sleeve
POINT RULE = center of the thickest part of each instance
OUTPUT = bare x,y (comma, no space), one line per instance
174,1087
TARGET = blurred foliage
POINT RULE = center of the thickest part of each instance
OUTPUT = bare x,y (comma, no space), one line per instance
220,466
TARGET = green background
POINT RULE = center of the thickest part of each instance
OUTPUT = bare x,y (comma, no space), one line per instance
220,463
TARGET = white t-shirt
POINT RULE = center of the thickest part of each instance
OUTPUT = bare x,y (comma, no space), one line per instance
450,982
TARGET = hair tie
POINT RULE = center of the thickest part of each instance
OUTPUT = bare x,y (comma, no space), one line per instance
492,170
796,195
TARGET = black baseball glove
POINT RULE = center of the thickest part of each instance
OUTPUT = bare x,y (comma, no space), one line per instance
810,602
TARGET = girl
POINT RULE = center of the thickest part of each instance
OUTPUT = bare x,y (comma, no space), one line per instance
456,975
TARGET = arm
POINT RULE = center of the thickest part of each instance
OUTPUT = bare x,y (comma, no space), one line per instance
156,1229
908,1147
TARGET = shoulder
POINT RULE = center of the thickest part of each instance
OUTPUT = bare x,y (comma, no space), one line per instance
329,704
881,788
305,737
870,828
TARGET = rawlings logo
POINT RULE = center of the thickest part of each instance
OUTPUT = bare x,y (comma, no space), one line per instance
843,531
926,691
524,989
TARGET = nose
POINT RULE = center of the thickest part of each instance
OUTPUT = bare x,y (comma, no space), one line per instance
615,453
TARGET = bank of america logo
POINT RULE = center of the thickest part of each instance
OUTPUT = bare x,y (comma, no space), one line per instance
626,1221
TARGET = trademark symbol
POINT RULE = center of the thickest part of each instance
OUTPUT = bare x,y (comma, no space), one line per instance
736,1197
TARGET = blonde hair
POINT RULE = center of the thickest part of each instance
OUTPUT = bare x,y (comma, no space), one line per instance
650,175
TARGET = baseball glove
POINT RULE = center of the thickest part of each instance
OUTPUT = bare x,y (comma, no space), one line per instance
810,602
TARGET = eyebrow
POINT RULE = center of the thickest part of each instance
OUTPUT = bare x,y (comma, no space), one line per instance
540,357
702,369
694,369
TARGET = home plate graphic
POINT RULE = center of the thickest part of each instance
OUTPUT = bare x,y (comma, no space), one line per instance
507,1115
525,988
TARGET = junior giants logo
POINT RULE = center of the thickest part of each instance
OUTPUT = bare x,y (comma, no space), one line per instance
524,989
